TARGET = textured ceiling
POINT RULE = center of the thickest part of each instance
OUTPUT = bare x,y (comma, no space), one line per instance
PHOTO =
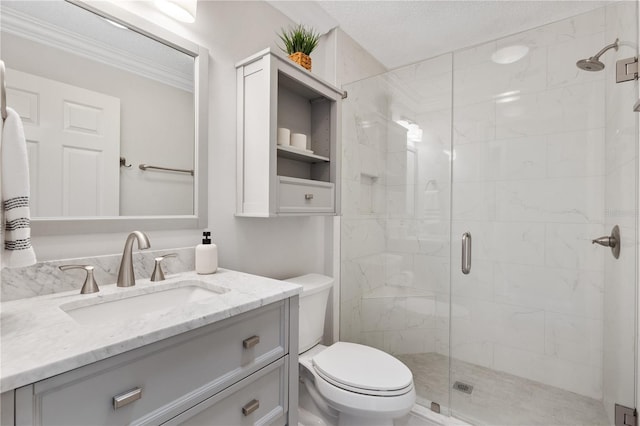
402,32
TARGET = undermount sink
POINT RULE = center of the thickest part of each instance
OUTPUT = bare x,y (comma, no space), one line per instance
116,307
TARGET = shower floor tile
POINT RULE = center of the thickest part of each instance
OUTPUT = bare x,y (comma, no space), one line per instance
499,399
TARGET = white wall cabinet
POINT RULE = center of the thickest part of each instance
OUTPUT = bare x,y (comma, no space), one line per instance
278,180
234,372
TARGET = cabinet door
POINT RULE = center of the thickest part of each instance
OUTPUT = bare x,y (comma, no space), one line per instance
258,399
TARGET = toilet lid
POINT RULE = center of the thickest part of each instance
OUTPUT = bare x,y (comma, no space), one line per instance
362,367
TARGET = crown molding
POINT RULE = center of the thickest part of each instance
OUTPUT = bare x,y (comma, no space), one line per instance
28,27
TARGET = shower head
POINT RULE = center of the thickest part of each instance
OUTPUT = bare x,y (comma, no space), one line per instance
594,63
591,64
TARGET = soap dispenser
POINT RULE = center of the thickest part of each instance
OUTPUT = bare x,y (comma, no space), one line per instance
206,255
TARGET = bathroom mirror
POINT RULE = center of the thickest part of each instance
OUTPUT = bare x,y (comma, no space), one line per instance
115,116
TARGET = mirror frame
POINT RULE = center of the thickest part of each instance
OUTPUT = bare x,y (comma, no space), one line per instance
92,225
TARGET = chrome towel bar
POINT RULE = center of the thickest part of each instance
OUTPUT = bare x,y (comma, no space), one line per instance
167,169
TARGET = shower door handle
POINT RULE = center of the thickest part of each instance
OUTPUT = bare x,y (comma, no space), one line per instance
466,253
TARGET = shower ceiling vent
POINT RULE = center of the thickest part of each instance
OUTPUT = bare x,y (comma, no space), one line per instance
463,387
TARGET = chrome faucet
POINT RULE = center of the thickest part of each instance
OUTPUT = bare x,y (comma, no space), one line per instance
126,277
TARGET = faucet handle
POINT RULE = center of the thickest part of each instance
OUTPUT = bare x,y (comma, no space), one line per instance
90,285
157,274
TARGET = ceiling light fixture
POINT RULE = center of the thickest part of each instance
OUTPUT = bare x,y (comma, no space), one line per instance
182,10
510,54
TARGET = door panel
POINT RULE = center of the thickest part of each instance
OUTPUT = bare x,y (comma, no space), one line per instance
74,136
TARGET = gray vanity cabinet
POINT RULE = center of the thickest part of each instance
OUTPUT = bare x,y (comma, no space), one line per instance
232,372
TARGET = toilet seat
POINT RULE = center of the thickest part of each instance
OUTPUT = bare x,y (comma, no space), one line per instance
357,401
362,369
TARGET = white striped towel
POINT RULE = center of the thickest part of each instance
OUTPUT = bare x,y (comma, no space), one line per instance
17,250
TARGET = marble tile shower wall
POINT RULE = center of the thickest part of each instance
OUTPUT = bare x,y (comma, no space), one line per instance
529,184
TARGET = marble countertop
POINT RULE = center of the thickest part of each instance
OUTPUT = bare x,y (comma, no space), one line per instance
40,340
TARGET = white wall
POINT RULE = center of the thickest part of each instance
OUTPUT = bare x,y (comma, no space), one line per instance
353,62
279,247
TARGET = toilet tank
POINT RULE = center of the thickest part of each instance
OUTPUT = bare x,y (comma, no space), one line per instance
313,308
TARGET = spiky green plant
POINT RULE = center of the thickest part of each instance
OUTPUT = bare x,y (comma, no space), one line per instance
299,39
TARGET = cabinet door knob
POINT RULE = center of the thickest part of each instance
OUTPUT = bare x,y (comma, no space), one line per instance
127,398
250,342
250,407
308,196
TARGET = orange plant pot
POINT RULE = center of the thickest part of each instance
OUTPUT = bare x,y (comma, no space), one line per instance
301,59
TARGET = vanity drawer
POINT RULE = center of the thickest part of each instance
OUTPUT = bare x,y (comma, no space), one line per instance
305,196
172,375
259,399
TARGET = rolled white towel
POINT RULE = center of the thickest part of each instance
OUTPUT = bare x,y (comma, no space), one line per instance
17,250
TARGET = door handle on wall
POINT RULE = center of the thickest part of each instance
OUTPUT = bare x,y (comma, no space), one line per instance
466,253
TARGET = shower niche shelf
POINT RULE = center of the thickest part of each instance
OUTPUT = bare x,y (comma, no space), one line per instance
278,180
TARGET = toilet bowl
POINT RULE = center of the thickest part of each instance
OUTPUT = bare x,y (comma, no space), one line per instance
345,384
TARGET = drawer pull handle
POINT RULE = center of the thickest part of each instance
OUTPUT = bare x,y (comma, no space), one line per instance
250,342
308,196
127,398
250,407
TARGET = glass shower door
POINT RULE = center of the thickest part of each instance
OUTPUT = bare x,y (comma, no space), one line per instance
395,220
545,160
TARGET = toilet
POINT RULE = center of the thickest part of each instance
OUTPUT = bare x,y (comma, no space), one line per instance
345,384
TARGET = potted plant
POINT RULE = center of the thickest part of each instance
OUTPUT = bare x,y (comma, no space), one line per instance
299,42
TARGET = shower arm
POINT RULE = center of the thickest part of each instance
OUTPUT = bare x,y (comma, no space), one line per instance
613,45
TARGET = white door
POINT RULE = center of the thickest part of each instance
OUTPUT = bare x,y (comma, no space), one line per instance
73,141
